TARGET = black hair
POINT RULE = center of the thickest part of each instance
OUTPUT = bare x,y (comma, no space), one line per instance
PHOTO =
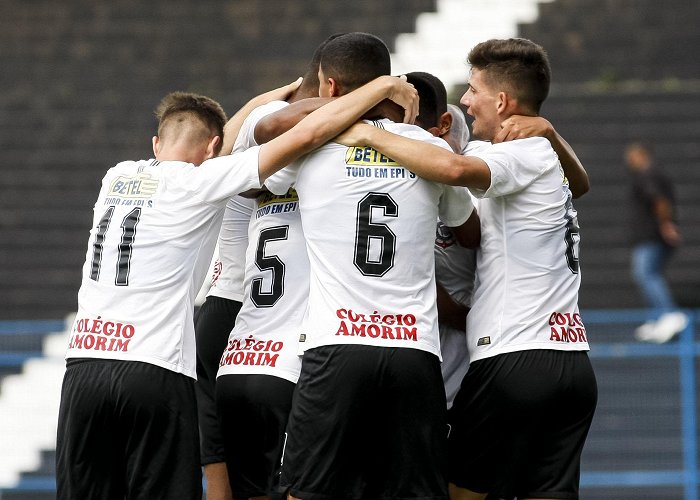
353,59
433,98
519,64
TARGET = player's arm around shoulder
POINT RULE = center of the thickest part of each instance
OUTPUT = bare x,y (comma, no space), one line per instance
429,161
521,127
234,124
329,120
279,122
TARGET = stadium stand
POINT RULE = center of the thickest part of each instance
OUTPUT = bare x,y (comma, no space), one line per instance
82,79
623,72
605,95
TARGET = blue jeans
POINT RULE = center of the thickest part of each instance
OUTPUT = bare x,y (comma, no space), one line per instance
648,262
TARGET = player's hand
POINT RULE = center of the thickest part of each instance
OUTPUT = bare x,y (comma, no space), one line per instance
355,135
670,234
278,94
522,127
405,95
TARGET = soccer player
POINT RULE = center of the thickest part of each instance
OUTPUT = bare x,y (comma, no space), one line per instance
213,323
524,409
260,365
127,420
455,265
368,415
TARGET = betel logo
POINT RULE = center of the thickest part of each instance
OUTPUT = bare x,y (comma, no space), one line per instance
367,156
138,186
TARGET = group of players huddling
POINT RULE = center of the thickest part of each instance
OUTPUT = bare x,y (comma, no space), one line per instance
394,308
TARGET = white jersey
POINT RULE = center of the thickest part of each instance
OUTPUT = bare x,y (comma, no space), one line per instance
246,136
229,267
526,294
265,338
455,268
370,230
154,231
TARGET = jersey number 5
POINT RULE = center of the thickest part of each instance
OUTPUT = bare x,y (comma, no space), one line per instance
269,262
124,259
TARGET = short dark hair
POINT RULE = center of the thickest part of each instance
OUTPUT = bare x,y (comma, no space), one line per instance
519,64
433,98
309,84
354,59
205,108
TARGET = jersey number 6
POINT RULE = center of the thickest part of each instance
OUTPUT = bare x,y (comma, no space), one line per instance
375,243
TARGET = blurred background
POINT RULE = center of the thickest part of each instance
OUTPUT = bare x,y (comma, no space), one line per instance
80,80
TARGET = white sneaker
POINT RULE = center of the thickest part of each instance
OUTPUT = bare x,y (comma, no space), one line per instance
667,327
643,332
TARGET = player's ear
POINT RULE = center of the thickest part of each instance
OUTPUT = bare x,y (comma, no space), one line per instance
333,88
156,145
213,147
444,123
502,102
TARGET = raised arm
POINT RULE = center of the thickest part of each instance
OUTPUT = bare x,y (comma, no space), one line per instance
233,125
329,120
277,123
521,127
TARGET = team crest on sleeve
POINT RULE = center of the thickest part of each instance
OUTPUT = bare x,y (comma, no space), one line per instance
444,237
139,186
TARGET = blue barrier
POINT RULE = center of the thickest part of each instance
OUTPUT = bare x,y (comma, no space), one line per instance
17,358
685,350
38,327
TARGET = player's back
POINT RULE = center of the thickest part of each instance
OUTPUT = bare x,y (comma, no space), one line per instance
154,231
369,225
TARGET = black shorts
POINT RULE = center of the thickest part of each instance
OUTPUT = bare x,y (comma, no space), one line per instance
519,423
213,324
367,422
127,430
254,410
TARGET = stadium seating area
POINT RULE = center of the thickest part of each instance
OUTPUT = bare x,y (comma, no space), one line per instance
623,71
80,92
81,78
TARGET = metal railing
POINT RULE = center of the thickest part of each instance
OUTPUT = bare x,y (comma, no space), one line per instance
614,345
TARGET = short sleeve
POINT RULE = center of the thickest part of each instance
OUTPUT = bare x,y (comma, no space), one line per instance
455,206
220,178
514,165
246,136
